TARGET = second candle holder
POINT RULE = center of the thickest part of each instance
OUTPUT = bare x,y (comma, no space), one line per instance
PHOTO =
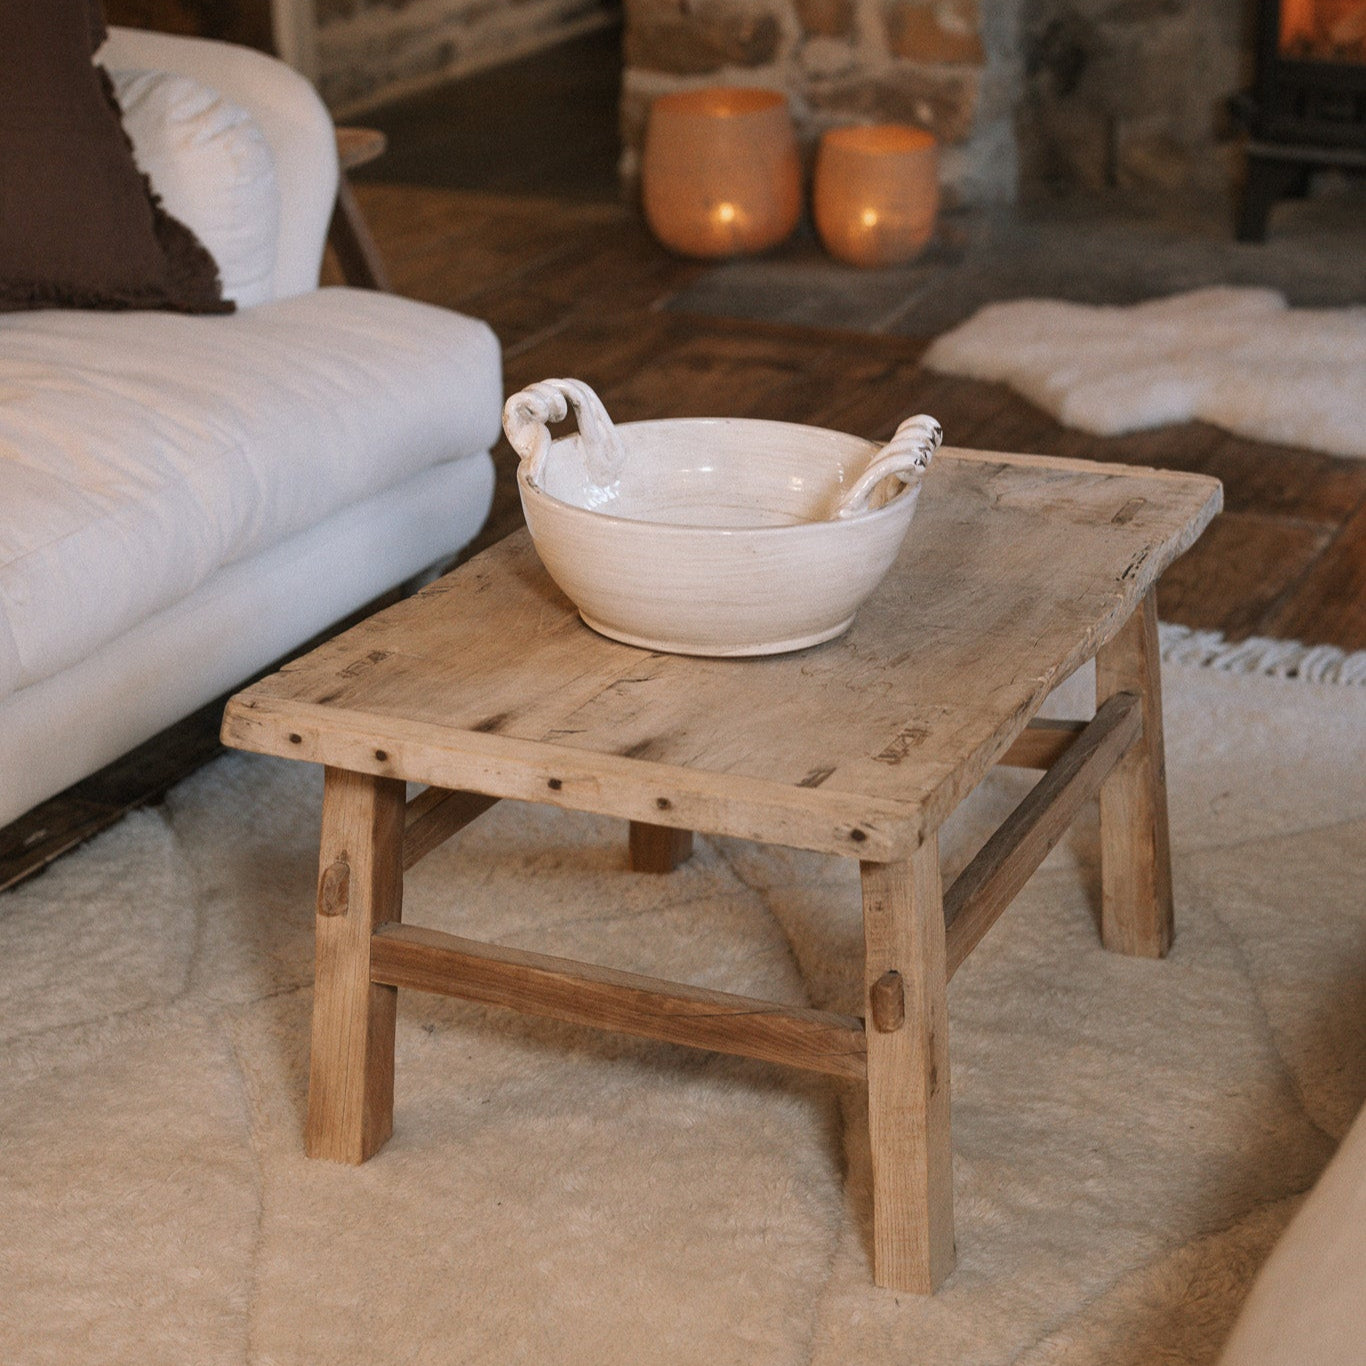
876,193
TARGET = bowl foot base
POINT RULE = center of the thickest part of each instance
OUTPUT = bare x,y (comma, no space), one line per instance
692,647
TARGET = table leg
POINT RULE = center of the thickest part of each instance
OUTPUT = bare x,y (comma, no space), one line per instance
361,264
908,1072
360,886
658,848
1136,869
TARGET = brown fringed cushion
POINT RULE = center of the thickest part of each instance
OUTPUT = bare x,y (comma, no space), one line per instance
80,226
98,29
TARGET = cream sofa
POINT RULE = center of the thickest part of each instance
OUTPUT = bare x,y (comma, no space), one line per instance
184,499
1308,1304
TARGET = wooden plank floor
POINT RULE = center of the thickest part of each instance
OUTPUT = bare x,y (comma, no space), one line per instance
574,288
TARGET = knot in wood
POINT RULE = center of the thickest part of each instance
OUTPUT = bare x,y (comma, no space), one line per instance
334,888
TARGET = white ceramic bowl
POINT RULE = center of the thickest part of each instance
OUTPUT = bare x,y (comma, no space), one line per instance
711,536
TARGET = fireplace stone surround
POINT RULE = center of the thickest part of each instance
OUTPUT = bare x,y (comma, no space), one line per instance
1029,98
1026,96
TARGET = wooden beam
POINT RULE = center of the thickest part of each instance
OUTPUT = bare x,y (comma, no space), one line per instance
760,809
1042,743
294,26
360,885
583,993
658,848
434,815
1135,849
908,1071
362,266
1005,863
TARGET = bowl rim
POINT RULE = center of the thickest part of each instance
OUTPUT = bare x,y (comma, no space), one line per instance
887,511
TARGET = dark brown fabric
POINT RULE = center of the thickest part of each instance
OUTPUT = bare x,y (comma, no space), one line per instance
98,31
79,224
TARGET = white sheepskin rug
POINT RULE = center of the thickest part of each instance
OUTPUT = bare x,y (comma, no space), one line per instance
1238,358
1130,1137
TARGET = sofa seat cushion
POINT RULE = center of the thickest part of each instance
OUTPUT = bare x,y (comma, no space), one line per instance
141,452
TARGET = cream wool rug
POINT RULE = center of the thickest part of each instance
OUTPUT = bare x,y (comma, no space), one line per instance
1130,1137
1237,358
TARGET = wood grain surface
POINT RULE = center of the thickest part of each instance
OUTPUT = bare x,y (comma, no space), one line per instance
351,1063
1016,569
908,1074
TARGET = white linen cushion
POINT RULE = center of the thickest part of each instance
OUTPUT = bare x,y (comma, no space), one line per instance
210,163
140,452
287,109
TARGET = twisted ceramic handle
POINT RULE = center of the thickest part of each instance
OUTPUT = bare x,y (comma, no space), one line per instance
528,413
907,455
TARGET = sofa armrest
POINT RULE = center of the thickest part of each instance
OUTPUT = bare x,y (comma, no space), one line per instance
294,121
1308,1304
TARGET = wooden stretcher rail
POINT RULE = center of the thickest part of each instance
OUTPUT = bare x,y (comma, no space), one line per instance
583,993
434,815
1005,863
1042,743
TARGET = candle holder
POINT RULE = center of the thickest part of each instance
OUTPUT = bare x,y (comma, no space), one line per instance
876,193
720,174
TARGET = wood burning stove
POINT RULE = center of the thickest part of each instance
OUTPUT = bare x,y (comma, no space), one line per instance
1308,108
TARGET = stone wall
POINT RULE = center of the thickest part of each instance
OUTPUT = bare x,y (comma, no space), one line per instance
368,51
1132,93
940,64
1025,95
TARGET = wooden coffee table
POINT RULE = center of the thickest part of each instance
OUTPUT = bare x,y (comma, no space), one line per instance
1016,571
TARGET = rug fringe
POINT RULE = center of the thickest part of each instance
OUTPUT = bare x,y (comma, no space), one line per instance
1262,655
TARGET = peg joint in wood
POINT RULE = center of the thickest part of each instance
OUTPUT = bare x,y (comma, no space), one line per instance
887,1000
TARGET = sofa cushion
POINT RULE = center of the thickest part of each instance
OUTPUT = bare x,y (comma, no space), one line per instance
296,124
141,452
79,226
209,162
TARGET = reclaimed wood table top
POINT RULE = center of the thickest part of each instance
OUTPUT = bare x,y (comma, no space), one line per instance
1015,571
